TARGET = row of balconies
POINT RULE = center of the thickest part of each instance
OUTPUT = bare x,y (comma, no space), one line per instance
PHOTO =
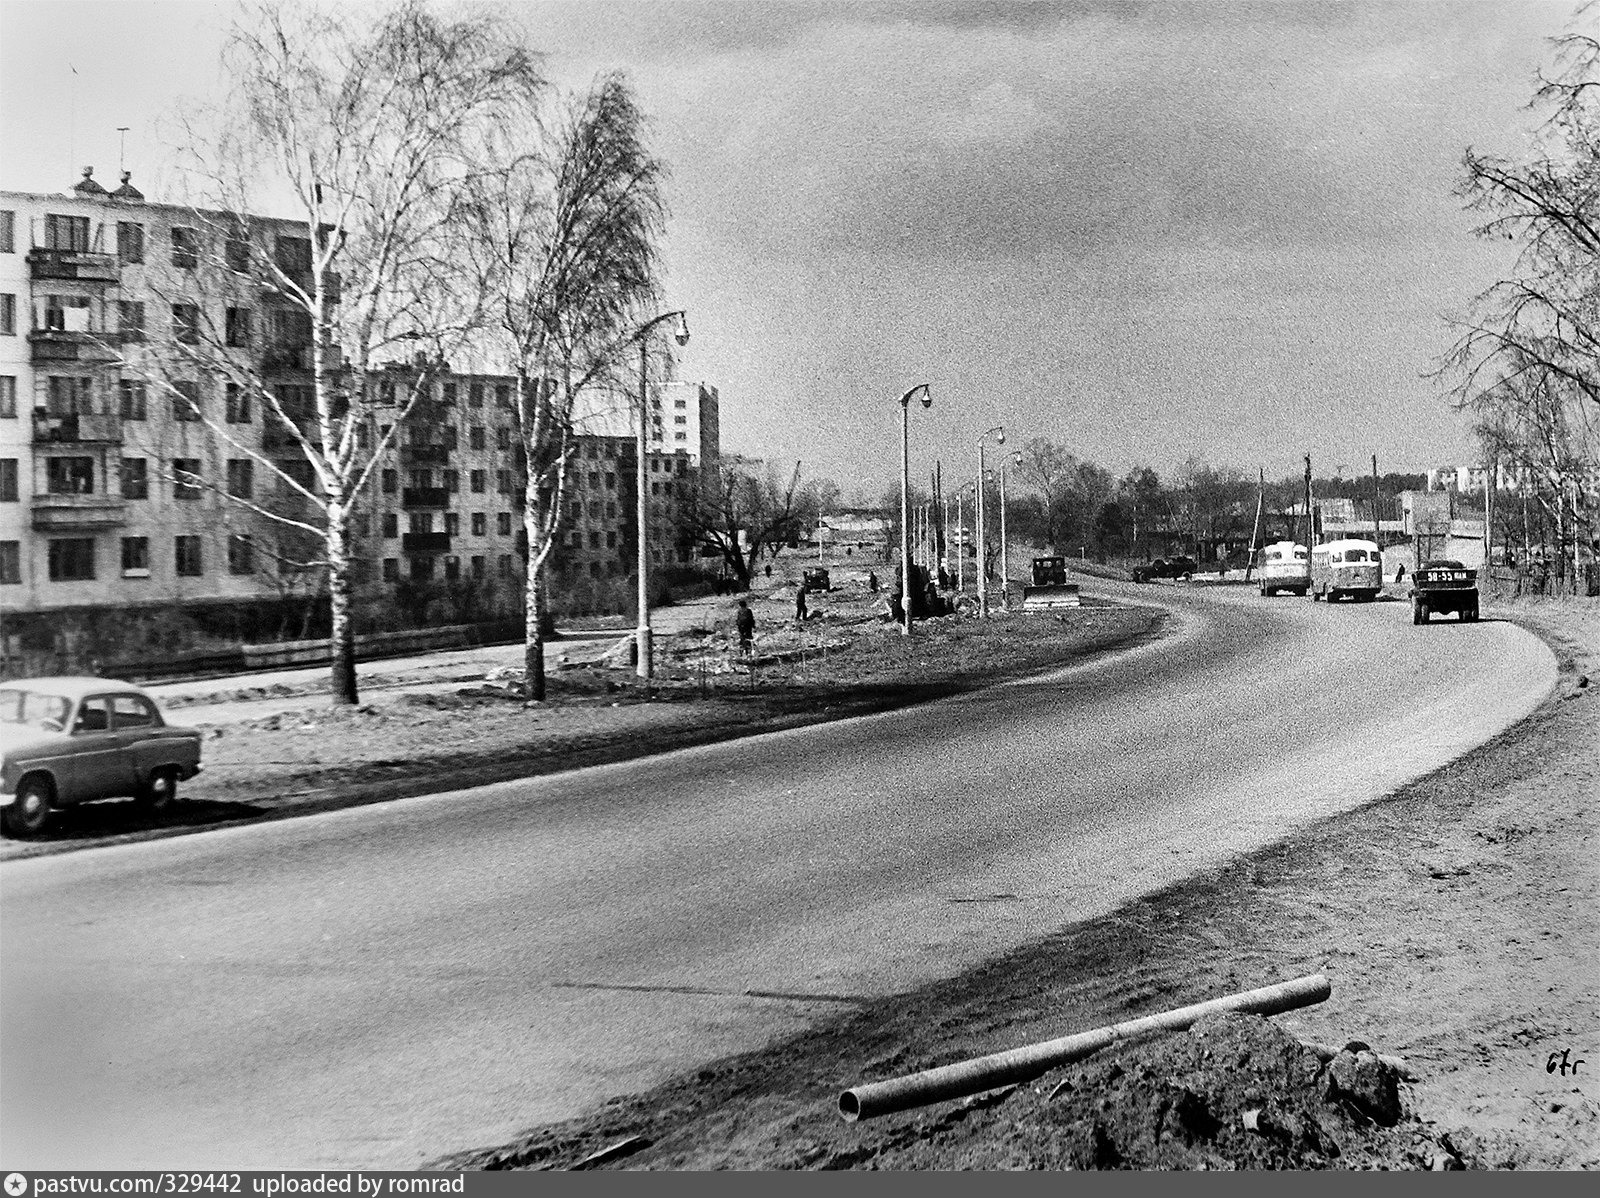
84,267
53,512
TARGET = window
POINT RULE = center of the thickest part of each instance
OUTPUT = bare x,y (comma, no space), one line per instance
594,540
136,557
186,323
421,480
452,568
502,437
8,231
10,563
236,251
611,481
294,255
452,481
236,327
685,420
452,524
237,401
391,525
241,477
130,320
389,480
480,524
131,399
186,478
611,540
186,556
57,309
131,711
477,481
422,568
8,314
69,476
502,395
502,523
420,522
72,560
66,233
186,400
474,395
478,564
447,394
135,478
679,404
241,554
8,396
505,565
130,241
363,525
391,569
185,248
475,436
8,480
502,481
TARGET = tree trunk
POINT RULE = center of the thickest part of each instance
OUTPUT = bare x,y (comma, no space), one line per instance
533,625
342,631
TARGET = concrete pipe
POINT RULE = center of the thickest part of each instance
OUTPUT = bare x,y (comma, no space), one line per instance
978,1074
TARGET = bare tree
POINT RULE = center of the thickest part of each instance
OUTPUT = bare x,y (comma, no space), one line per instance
365,129
564,245
739,515
1526,361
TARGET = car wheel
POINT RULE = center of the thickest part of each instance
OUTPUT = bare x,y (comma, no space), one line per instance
30,811
160,790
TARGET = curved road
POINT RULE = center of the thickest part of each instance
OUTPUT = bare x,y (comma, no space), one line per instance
378,986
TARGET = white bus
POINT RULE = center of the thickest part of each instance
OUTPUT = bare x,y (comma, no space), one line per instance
1349,568
1284,567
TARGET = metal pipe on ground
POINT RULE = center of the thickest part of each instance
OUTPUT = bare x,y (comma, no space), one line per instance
1023,1064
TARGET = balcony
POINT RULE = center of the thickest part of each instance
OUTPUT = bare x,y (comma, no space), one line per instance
425,455
425,497
302,280
286,357
425,542
59,345
82,428
73,264
52,512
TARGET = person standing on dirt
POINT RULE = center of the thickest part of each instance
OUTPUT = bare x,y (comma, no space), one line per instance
800,603
746,623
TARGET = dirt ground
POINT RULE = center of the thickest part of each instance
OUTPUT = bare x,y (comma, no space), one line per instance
1457,921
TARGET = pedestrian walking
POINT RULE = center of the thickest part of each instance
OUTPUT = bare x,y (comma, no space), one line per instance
746,623
800,603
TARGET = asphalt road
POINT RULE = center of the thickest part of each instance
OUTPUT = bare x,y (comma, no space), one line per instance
377,986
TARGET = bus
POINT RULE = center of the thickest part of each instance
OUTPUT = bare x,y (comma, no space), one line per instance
1284,568
1346,569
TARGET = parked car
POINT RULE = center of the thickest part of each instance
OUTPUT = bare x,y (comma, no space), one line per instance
1166,567
65,741
816,578
1443,585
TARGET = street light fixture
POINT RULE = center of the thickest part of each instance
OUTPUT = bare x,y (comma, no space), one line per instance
1005,554
998,432
646,653
905,507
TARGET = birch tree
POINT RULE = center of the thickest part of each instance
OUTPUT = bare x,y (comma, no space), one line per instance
564,246
361,126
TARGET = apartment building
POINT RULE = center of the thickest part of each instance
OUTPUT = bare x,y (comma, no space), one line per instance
115,495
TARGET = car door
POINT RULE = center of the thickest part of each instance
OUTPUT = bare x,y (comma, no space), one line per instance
99,762
141,733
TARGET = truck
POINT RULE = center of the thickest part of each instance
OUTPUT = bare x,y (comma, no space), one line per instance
1443,585
1050,587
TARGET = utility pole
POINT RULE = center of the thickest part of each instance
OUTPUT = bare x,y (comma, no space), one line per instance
1377,528
1311,530
1255,531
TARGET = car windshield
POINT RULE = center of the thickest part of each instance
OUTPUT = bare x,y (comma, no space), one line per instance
31,707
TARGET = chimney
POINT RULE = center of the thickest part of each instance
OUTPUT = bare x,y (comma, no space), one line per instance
86,187
128,192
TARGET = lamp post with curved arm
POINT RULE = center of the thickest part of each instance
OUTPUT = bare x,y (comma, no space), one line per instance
1005,554
646,652
961,539
998,432
905,507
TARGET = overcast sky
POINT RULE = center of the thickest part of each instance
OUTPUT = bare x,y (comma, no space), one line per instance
1140,231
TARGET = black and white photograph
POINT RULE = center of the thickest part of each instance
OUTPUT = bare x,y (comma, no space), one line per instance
796,585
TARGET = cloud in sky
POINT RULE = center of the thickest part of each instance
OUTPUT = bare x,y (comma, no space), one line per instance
1143,230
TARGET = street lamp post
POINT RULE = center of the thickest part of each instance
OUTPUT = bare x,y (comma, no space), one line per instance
998,432
1005,553
646,653
961,537
905,506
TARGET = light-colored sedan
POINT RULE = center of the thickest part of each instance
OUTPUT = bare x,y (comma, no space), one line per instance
74,740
